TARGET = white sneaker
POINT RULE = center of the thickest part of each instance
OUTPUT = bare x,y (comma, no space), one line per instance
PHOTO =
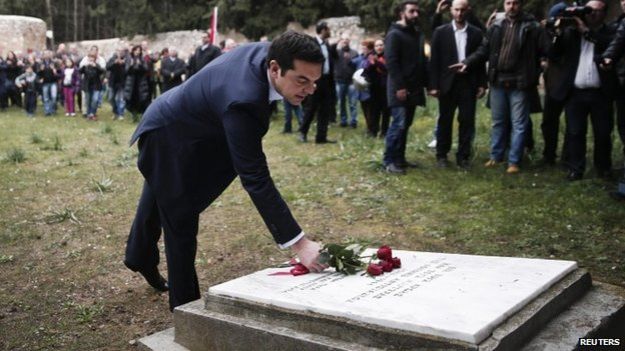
67,115
432,144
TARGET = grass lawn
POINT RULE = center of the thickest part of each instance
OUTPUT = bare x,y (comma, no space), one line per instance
69,187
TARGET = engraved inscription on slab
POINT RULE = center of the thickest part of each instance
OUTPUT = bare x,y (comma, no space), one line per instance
460,297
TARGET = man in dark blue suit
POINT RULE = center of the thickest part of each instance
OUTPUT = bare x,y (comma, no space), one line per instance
451,43
196,138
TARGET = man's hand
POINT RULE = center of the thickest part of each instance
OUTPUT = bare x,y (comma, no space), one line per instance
606,64
480,92
401,94
433,92
458,67
308,252
442,6
581,26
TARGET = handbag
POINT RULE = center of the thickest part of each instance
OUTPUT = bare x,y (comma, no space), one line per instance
360,80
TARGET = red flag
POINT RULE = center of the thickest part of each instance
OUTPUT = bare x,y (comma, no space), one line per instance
213,26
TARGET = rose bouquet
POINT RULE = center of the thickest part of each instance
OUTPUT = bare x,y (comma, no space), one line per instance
347,259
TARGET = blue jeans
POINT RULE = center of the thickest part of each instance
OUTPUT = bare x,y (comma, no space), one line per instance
92,101
289,110
509,107
117,101
396,136
346,91
49,95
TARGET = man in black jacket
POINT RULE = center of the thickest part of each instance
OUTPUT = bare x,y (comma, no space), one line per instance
514,46
586,89
406,65
204,54
116,66
172,69
321,102
450,44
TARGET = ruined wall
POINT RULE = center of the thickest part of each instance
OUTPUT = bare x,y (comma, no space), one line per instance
21,33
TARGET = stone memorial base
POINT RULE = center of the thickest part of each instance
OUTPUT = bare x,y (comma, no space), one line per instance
435,301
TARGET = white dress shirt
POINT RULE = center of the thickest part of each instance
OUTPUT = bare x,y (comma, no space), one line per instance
587,75
326,55
461,40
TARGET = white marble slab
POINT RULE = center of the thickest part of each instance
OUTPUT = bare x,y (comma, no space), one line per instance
460,297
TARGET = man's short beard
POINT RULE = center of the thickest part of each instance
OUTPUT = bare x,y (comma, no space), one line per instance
412,22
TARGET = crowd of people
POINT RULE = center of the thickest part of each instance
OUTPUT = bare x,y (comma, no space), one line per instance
130,78
574,49
506,56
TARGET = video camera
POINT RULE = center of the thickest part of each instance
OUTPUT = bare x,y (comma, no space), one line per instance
565,17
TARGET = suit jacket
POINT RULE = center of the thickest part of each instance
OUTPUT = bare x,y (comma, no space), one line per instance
197,137
177,67
444,53
406,64
565,52
202,57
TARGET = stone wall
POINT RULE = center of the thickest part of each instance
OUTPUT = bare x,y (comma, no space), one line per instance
186,41
21,33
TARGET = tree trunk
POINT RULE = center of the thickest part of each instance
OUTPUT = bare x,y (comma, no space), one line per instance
51,28
75,20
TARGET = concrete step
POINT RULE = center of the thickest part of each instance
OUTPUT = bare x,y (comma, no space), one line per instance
161,341
570,310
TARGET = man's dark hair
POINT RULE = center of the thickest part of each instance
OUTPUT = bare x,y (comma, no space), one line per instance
321,26
292,46
402,6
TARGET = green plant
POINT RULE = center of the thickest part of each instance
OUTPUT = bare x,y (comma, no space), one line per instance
62,215
57,145
35,138
103,185
86,314
6,258
16,155
107,129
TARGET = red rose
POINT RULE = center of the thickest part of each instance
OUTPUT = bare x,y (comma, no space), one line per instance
396,262
387,266
299,269
374,269
385,253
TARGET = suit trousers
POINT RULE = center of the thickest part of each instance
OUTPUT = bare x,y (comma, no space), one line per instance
580,104
320,104
620,115
463,97
550,127
173,210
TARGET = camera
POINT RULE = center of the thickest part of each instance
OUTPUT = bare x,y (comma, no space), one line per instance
575,11
554,23
565,17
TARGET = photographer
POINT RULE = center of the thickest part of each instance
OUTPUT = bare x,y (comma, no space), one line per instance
586,89
553,72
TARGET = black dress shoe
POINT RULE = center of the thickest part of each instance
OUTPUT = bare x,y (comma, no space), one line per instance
464,164
325,141
573,176
604,174
618,196
406,164
394,169
302,137
154,278
442,163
